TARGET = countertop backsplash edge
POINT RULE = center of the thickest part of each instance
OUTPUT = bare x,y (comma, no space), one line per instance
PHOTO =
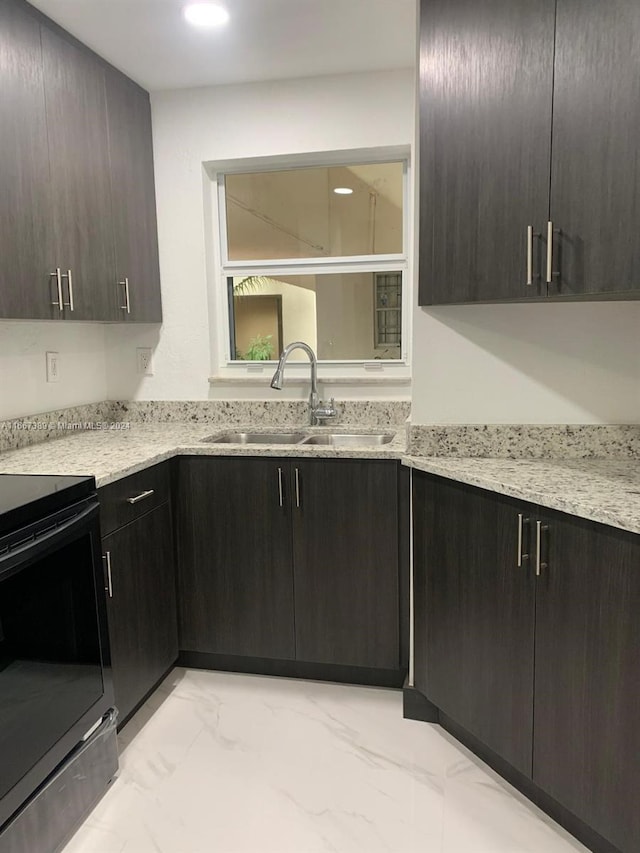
525,441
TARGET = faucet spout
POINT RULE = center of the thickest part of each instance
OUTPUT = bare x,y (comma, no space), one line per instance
278,376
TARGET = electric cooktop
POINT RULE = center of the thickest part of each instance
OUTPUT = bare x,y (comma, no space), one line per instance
25,498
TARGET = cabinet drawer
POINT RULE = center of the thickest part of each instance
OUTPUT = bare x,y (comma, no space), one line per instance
128,499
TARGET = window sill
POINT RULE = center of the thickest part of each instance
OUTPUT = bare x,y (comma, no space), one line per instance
322,380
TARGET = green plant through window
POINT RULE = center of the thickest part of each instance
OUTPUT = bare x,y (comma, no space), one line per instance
260,349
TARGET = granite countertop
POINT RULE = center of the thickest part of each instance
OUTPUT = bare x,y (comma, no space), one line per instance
603,490
113,453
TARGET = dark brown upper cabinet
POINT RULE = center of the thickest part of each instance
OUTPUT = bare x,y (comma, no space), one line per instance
133,200
595,168
529,180
25,190
79,175
77,200
486,77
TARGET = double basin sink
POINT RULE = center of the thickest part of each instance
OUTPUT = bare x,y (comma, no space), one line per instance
334,439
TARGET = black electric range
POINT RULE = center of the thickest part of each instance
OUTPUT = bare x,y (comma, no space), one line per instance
55,680
25,498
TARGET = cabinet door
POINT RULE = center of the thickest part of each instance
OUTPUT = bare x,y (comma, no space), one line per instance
486,76
474,613
79,162
142,611
25,197
345,546
595,177
235,573
133,199
587,685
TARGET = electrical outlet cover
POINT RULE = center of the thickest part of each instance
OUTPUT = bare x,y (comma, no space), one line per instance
53,367
145,361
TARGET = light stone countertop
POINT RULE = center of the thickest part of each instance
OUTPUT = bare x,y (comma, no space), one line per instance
603,490
111,454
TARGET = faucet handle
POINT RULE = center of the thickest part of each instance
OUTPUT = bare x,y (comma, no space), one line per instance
325,411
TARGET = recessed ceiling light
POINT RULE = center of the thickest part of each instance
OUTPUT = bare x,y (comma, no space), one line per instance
206,14
343,190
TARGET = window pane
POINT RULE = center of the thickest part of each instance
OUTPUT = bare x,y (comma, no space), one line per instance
297,214
349,316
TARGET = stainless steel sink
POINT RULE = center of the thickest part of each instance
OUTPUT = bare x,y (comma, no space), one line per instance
256,438
350,439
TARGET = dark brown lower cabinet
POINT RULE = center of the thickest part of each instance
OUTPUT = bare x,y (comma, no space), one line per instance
586,749
142,606
474,646
540,663
290,560
345,557
235,575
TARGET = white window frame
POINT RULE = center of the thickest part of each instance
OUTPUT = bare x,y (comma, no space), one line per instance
223,268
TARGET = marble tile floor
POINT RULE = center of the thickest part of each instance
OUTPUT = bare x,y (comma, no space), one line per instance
221,762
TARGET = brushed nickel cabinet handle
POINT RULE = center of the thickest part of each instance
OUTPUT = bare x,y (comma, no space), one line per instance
297,488
540,527
109,587
521,522
280,486
127,304
529,255
549,252
69,278
58,276
137,498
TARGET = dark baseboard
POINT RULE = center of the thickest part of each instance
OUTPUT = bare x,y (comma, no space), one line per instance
123,722
587,836
415,706
294,669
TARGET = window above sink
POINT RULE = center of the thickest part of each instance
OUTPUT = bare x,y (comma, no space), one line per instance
296,260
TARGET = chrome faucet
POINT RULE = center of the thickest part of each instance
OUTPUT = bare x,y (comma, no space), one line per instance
317,409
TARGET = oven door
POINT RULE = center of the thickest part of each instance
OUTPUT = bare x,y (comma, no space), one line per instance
54,677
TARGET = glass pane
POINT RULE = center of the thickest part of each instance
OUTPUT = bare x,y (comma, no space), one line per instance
338,315
298,213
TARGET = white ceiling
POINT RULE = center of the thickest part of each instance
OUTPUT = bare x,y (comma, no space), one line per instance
264,40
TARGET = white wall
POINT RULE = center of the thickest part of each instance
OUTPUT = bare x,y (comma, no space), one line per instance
576,363
251,120
23,386
560,363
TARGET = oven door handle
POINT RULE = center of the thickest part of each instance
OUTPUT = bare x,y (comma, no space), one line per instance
37,543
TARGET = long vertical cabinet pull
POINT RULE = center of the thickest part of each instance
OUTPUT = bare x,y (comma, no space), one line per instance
109,587
127,304
529,258
58,277
549,252
297,488
280,495
540,528
521,523
69,278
